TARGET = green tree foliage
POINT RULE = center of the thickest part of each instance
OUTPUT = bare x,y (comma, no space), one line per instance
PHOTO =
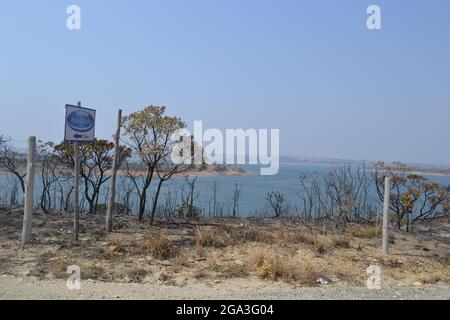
148,133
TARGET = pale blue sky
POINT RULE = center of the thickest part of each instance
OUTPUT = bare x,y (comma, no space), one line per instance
310,68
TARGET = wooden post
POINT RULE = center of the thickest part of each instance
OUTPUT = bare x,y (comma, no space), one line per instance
76,208
112,186
387,194
29,192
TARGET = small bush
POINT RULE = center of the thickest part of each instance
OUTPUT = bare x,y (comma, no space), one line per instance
199,274
137,275
113,250
254,235
390,262
160,247
207,238
234,271
340,242
320,244
180,261
359,231
275,267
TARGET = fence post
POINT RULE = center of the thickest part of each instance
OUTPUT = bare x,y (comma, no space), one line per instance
387,194
112,186
29,192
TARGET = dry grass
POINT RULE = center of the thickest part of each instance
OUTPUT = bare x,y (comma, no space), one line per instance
114,250
286,237
206,237
200,274
289,251
441,273
320,243
58,266
390,262
359,231
137,275
180,261
274,267
340,242
234,271
159,247
255,235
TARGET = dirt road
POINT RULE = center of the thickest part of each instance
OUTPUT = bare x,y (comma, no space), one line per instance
29,288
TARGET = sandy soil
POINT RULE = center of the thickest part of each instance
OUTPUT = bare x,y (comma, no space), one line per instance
225,258
29,288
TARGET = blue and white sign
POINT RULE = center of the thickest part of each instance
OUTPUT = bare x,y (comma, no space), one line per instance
80,124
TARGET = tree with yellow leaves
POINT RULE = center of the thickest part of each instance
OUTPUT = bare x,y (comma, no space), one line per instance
148,133
413,197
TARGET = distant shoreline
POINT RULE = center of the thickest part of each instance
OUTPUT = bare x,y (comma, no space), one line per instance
209,172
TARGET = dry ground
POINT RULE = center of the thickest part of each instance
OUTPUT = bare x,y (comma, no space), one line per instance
272,253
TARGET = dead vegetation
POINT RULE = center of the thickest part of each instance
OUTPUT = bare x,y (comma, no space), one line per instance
364,232
248,250
158,246
273,266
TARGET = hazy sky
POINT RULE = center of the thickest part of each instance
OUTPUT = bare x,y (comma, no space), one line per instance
310,68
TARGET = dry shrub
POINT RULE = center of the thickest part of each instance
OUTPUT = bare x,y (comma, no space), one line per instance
113,250
286,237
58,266
390,262
283,236
254,235
180,261
430,278
205,237
434,278
137,275
441,274
320,244
358,231
298,237
308,273
94,272
257,257
348,274
159,247
234,271
199,274
340,242
275,267
213,265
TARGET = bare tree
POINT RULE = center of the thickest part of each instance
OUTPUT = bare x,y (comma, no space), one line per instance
189,195
12,162
127,189
51,173
165,171
236,195
277,202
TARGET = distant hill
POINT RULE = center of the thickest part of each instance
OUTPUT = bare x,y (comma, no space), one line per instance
316,160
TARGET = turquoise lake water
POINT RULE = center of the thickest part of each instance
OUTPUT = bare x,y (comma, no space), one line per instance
253,194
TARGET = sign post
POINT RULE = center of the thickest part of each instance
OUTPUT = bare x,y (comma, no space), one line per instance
79,128
76,208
